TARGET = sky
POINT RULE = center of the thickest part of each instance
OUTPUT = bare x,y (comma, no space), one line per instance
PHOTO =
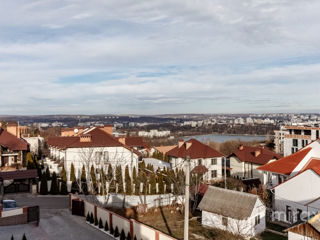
159,56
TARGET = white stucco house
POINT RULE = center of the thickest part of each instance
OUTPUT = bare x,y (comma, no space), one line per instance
93,146
200,155
236,212
245,160
294,182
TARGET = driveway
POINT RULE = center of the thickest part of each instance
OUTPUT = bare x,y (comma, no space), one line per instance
56,222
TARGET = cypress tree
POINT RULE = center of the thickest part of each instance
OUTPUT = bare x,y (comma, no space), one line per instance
106,226
91,218
103,182
24,237
54,185
84,185
88,217
160,184
30,162
48,175
153,183
64,189
12,238
122,235
116,232
111,230
135,181
128,236
119,179
73,179
100,223
44,185
110,173
128,182
93,180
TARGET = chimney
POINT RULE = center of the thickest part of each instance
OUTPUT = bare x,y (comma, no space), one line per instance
13,128
188,145
108,129
257,152
122,140
180,143
241,147
85,138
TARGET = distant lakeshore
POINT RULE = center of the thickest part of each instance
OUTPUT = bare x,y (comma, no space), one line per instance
220,138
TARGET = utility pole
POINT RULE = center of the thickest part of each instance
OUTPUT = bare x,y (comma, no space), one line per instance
225,172
186,202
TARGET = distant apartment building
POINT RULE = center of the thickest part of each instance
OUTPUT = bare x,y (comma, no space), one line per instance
298,137
154,133
279,140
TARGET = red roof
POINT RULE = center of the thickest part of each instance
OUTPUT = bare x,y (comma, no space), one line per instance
11,142
99,138
194,149
313,164
286,164
247,154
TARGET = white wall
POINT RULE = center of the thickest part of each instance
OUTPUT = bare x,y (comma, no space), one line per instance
295,236
179,163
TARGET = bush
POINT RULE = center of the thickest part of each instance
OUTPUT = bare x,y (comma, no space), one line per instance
96,221
106,226
100,223
88,217
135,237
12,238
24,237
116,232
91,219
122,235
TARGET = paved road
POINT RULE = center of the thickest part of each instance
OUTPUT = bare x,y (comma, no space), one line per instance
56,222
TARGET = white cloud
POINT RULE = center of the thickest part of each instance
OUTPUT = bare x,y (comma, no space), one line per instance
210,55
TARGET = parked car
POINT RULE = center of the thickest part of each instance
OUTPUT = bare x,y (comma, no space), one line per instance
8,204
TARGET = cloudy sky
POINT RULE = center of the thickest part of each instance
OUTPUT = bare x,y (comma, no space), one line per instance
149,57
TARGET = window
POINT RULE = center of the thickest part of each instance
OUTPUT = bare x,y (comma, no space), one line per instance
213,161
257,220
200,161
295,142
317,134
213,173
302,143
299,211
224,221
288,214
292,150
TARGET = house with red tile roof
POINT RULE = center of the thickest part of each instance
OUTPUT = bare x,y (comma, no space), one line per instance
294,181
12,150
92,147
245,160
136,143
200,155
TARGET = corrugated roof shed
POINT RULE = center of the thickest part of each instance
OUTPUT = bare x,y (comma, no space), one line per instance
228,203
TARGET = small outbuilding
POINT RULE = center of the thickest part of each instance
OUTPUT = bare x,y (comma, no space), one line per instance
237,212
309,230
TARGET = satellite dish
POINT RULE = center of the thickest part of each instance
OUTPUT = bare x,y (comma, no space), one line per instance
76,130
